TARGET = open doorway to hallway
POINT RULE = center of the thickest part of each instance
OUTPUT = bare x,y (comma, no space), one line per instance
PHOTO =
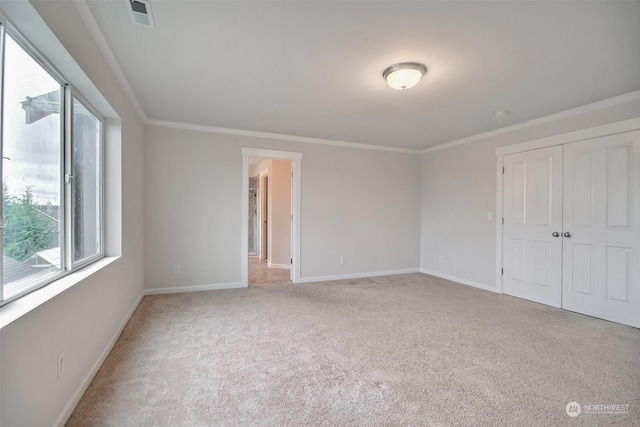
270,220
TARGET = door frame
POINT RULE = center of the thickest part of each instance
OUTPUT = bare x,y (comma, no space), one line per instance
296,159
261,217
561,139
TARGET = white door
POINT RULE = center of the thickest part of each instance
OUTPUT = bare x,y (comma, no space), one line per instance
264,216
532,211
601,254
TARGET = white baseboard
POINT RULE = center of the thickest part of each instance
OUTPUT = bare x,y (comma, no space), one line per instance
357,275
196,288
282,266
68,410
460,280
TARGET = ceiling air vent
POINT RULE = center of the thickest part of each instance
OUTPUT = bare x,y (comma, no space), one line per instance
140,12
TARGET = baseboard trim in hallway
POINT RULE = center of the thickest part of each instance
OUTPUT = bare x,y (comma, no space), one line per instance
281,266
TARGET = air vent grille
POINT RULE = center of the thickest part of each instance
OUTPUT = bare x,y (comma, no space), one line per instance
139,7
140,13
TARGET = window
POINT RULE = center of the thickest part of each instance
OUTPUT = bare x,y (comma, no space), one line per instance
51,173
85,183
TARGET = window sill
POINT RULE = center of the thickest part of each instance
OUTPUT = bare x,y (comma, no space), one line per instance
23,305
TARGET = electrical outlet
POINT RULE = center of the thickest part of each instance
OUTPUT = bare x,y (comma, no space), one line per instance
60,365
343,260
176,269
441,259
490,216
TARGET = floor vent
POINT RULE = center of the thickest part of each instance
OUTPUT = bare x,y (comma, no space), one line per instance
140,13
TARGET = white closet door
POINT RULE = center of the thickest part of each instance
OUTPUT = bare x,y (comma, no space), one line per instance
532,210
601,254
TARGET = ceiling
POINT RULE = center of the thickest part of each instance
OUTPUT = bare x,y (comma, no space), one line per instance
314,68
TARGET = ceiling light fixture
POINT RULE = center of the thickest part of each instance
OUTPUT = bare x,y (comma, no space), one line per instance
404,75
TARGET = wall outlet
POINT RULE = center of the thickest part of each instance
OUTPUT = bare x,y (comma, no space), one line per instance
60,365
441,259
176,269
343,260
490,216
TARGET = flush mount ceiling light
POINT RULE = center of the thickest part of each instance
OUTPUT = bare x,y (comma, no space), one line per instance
404,75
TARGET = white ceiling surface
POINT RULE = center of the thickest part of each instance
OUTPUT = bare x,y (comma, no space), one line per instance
314,69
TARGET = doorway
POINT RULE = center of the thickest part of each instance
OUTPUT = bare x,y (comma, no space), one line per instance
272,263
276,211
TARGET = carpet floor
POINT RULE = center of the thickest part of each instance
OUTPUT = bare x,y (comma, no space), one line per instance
406,350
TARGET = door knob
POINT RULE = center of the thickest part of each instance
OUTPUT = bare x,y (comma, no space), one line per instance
555,234
566,234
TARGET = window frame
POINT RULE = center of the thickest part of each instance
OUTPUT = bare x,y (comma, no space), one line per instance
71,95
67,94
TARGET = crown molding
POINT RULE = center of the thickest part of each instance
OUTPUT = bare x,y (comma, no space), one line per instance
98,36
278,136
629,97
599,105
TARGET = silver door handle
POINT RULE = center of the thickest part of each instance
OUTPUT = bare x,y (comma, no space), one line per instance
555,234
566,234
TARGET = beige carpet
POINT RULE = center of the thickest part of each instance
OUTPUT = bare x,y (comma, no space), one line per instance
401,350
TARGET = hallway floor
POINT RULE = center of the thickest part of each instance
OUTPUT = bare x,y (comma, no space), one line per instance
259,272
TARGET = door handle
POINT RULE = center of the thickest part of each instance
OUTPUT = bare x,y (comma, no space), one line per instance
566,234
555,234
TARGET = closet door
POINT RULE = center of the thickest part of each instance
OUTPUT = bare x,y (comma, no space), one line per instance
601,239
532,211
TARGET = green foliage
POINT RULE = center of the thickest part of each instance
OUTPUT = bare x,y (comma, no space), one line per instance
27,230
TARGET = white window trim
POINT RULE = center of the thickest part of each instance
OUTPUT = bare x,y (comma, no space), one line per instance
23,305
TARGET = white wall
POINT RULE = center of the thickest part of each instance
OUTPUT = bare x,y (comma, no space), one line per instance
280,183
458,187
81,321
362,204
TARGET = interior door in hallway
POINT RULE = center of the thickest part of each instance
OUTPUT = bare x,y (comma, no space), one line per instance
532,212
264,217
601,243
